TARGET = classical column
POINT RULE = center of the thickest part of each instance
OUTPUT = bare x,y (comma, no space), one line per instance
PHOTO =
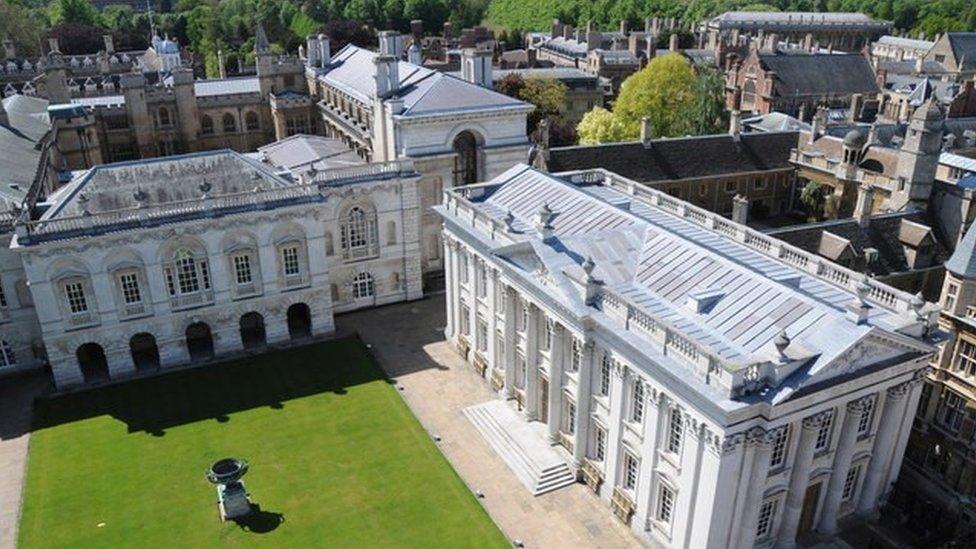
655,425
760,442
473,305
532,364
456,286
490,320
618,385
450,274
556,354
799,478
884,442
583,399
842,464
510,304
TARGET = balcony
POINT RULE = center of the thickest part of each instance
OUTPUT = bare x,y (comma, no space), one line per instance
190,301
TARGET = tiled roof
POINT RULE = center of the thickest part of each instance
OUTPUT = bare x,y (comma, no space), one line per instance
963,260
963,46
821,75
680,158
20,150
300,153
226,86
827,18
900,41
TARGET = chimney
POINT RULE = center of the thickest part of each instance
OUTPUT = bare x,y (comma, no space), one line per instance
919,65
543,222
312,51
735,124
865,203
557,29
109,43
544,140
9,50
387,75
221,69
802,114
476,67
325,51
740,209
448,29
673,44
623,27
651,47
417,29
774,42
414,54
645,134
388,43
568,32
53,45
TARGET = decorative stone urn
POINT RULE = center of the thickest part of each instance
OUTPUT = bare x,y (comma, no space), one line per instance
231,495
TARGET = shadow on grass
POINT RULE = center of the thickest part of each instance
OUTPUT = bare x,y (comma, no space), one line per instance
259,521
155,404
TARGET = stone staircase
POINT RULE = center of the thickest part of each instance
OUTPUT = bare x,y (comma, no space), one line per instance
536,464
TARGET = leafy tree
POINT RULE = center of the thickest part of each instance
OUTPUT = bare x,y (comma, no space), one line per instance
600,126
23,26
812,196
342,32
707,113
664,91
549,98
76,38
74,11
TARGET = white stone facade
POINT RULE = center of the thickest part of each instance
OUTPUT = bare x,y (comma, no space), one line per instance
21,347
154,264
741,395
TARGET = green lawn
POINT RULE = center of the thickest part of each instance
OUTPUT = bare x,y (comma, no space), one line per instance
337,459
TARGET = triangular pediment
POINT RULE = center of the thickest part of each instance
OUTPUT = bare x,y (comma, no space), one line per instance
876,349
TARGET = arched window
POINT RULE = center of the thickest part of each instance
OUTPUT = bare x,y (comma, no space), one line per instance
359,233
187,274
251,121
206,125
362,286
164,119
391,232
466,162
6,355
230,125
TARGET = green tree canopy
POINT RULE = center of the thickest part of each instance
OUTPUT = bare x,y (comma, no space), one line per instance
663,91
600,126
74,11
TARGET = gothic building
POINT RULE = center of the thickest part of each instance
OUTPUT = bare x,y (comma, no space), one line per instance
714,386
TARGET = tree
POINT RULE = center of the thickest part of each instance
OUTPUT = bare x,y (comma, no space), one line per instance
548,96
664,91
23,26
707,113
342,32
76,38
813,197
74,11
600,126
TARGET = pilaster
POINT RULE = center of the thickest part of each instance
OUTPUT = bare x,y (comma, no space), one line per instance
759,443
799,477
510,337
556,354
618,385
842,463
532,364
884,442
583,400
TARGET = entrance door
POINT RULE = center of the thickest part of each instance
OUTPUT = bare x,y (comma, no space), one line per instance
544,405
810,501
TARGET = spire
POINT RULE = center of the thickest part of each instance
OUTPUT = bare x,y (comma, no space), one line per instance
261,44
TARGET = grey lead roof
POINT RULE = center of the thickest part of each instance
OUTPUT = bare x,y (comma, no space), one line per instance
823,75
963,260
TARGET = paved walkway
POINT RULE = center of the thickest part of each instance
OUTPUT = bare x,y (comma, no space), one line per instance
408,340
16,401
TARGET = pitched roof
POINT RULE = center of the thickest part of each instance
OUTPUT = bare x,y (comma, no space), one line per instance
820,74
680,158
424,91
301,153
963,46
20,145
963,260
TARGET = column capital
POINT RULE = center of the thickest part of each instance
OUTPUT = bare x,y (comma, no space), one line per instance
858,405
619,369
899,391
816,420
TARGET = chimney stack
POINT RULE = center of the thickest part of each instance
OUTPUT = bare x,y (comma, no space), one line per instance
9,50
645,134
865,203
735,124
109,43
740,209
414,54
476,67
387,75
221,69
53,45
673,44
312,51
388,43
325,51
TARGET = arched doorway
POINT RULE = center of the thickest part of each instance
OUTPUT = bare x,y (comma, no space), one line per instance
199,342
299,321
92,362
465,146
145,353
252,331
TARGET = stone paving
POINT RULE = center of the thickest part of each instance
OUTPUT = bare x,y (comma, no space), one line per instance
16,401
408,340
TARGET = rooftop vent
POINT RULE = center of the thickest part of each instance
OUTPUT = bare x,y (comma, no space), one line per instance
704,301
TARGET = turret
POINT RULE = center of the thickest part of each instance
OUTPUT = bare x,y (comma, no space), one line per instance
919,154
55,76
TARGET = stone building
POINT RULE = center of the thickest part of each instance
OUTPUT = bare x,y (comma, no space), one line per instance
151,264
584,90
838,31
714,386
953,56
899,48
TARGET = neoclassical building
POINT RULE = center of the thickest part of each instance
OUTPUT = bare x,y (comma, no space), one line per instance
716,387
157,263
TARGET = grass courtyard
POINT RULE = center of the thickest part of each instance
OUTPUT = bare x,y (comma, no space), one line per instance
337,459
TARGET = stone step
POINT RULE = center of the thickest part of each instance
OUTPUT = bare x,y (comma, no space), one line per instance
536,464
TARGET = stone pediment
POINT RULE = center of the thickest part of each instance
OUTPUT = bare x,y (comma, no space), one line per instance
876,348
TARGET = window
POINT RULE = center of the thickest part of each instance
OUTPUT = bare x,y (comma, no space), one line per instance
777,457
3,297
523,324
520,370
6,354
500,292
230,125
187,275
499,350
289,261
923,401
465,319
362,286
462,267
864,422
675,430
576,359
951,292
251,121
850,483
823,435
242,269
481,284
206,125
767,515
665,504
605,364
965,358
129,284
951,411
358,232
637,406
631,469
600,436
482,343
731,186
570,426
164,119
75,293
759,184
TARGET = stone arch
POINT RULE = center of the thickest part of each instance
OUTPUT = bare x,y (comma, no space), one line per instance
164,116
199,342
206,125
299,321
467,146
145,352
92,362
253,334
251,121
228,123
